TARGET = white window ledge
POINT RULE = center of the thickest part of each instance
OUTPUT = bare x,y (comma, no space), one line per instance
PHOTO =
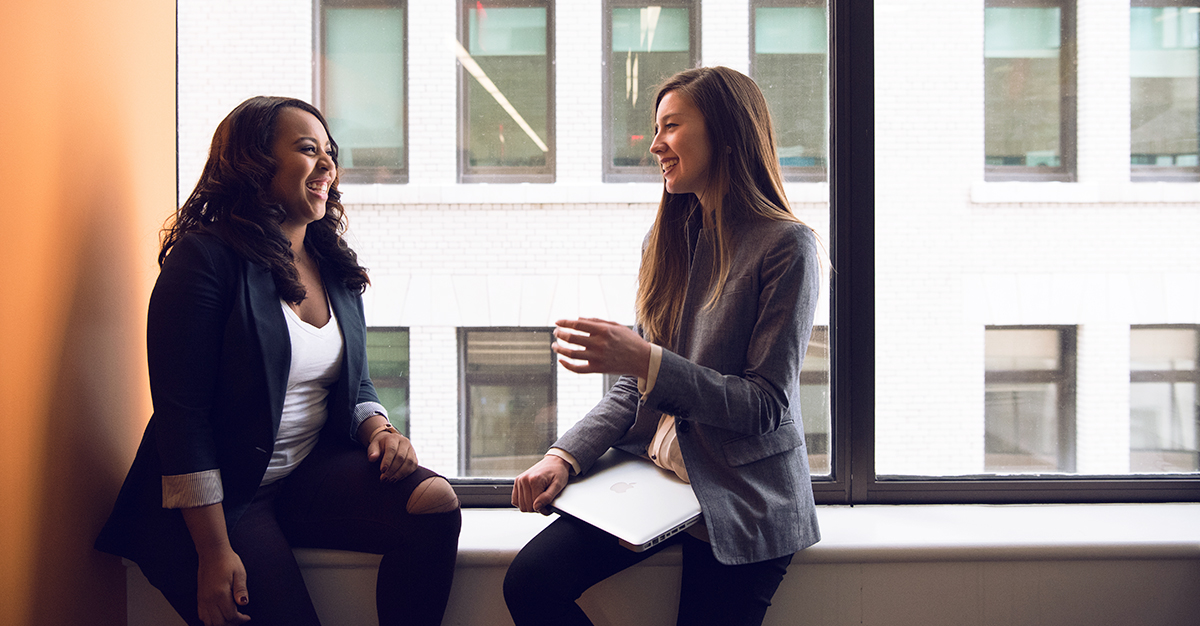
908,533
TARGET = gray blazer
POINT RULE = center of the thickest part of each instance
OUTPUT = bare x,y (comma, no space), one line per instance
731,378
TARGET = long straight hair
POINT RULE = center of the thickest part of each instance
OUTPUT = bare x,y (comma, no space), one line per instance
232,200
745,183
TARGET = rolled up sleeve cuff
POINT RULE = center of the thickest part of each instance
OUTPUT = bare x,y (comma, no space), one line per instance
645,385
566,456
362,412
185,491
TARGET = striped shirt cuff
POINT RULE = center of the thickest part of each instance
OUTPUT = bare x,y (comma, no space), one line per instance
185,491
362,412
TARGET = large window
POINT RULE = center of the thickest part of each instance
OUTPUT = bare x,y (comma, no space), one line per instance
1164,64
790,64
506,79
387,357
645,44
1163,380
1029,89
1029,409
362,87
508,399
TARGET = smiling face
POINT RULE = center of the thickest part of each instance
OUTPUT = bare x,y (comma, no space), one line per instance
304,168
681,145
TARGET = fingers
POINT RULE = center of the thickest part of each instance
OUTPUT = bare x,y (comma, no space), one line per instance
399,459
537,487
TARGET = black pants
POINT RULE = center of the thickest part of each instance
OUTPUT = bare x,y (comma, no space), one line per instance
569,556
335,500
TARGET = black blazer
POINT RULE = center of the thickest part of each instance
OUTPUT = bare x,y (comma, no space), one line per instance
219,353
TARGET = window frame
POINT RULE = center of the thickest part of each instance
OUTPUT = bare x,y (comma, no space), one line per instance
362,175
1068,108
635,174
1164,173
468,174
792,173
852,325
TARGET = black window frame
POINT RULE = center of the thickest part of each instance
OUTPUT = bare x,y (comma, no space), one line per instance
468,174
1164,173
649,173
1067,170
791,173
362,175
853,479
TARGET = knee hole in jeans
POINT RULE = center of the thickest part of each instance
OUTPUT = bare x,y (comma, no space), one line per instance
433,495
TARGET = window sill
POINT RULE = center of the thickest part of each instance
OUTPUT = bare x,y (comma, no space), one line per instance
907,533
1084,193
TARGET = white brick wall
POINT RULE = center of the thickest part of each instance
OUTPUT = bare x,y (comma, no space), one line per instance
954,253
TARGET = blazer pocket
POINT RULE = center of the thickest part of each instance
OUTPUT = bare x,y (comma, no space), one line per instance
751,448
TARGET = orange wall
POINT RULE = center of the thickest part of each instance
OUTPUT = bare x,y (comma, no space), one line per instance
87,168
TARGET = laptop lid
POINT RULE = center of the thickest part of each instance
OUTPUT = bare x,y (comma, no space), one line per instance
631,498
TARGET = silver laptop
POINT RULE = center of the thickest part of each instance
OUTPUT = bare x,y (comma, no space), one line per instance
630,498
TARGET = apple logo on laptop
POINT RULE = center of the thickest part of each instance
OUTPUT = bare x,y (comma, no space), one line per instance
622,487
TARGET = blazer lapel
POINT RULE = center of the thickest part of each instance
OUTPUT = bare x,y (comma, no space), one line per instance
275,344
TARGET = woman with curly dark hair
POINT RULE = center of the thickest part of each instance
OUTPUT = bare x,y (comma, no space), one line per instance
267,433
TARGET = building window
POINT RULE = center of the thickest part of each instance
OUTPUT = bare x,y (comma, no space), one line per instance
1029,90
815,404
1164,41
506,87
1029,400
508,402
387,358
790,64
361,78
1163,410
645,45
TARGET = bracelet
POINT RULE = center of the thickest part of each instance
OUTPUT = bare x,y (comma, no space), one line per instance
387,426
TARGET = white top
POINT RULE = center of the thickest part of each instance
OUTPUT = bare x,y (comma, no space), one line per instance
316,363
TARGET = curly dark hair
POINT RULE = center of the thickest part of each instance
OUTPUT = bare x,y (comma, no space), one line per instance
232,201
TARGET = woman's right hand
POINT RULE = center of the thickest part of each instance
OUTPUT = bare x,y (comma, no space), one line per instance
221,589
537,486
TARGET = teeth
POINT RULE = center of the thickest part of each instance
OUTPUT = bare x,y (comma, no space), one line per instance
321,187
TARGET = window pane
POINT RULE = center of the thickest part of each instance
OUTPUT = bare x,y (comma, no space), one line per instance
510,411
815,404
1163,412
790,66
507,107
1026,401
1022,86
649,45
387,358
364,85
1163,71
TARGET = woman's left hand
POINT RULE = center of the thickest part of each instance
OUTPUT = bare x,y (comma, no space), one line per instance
395,454
606,348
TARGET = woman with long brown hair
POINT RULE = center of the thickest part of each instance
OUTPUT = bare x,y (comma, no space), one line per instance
267,433
710,386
